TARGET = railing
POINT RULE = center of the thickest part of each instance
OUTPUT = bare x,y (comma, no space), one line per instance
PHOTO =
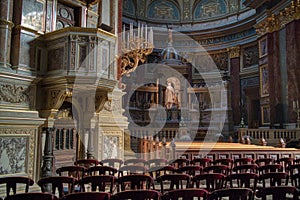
272,136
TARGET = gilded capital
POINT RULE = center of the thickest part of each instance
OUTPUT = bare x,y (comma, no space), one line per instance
234,52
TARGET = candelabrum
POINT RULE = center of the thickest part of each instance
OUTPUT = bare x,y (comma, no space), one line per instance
136,45
296,109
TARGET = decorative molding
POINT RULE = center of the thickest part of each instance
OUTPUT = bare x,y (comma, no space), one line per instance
56,97
234,52
29,133
276,22
13,93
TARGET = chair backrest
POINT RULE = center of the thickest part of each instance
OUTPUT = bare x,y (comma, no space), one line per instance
102,170
250,168
274,179
132,169
242,180
73,171
270,168
32,196
87,196
285,162
264,161
191,170
12,181
157,171
170,181
112,162
186,194
278,193
203,162
135,182
137,194
293,169
242,161
179,162
232,194
157,162
136,161
224,161
209,182
57,182
87,163
98,183
222,169
295,179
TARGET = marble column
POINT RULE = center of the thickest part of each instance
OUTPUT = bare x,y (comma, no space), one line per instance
6,25
234,55
293,63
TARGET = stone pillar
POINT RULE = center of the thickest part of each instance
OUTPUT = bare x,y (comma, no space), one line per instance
234,55
6,25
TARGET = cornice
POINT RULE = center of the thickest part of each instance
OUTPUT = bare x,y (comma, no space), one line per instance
275,22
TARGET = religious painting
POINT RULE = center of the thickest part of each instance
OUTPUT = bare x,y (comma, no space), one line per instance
263,47
265,115
264,81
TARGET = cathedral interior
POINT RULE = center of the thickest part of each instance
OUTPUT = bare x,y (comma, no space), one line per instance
101,78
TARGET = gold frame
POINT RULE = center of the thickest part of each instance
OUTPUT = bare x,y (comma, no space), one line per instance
265,109
264,81
263,47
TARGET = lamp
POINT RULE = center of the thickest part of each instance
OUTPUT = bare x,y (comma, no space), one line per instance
136,45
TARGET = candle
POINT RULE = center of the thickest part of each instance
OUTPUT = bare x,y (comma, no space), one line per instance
297,104
123,35
139,30
131,31
146,33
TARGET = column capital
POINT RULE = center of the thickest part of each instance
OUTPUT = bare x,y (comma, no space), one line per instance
234,52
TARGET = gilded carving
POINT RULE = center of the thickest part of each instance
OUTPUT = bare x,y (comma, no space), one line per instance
234,52
100,101
14,93
25,133
6,23
276,22
56,97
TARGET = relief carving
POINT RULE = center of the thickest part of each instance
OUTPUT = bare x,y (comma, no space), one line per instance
250,56
221,60
14,93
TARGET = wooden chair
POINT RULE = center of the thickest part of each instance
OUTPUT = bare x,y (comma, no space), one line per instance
112,162
293,169
264,161
137,195
278,193
157,162
132,169
274,179
209,182
224,161
102,170
242,180
157,171
87,163
285,162
295,179
136,161
58,182
73,171
231,194
270,168
12,182
179,162
135,182
191,170
249,168
100,182
222,169
186,194
168,182
88,196
32,196
203,162
242,161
